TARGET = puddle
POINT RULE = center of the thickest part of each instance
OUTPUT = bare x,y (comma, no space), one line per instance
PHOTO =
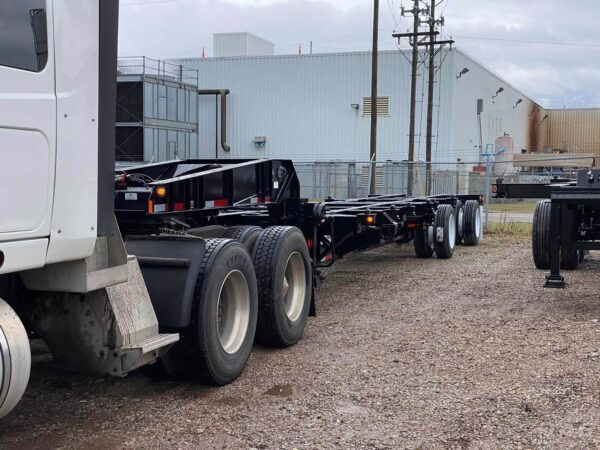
283,390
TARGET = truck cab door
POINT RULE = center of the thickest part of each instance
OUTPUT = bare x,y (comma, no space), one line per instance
27,119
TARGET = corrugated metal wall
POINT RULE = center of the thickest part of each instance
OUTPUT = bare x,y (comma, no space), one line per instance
502,114
303,105
573,130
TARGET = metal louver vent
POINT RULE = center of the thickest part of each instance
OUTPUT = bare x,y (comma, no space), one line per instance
365,172
383,107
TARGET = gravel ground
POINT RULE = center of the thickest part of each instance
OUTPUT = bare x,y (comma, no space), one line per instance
466,353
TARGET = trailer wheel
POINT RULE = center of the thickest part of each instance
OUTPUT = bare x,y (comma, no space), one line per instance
445,232
15,359
246,235
423,241
460,220
540,234
569,259
284,277
217,344
472,224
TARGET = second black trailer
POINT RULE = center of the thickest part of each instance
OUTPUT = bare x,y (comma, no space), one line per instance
566,223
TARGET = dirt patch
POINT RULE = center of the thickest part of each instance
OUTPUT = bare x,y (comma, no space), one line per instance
465,353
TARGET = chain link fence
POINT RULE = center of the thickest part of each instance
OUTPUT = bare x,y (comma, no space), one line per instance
351,179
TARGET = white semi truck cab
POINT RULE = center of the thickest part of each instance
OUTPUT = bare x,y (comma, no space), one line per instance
59,244
49,128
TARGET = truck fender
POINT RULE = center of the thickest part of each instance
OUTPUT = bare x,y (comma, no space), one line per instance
169,266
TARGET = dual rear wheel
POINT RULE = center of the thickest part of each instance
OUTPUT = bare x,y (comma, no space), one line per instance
451,226
540,241
259,285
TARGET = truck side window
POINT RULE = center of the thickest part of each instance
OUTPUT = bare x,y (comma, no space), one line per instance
23,34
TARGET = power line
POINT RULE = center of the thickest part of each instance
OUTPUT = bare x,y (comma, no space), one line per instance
392,12
524,41
152,2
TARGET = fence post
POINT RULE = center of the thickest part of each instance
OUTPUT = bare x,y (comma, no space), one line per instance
351,180
372,177
487,188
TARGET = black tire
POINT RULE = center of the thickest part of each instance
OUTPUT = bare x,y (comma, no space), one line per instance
460,220
279,256
208,232
246,235
200,354
445,232
472,224
569,259
423,241
540,234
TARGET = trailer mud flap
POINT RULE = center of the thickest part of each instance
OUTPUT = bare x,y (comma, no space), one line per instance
170,266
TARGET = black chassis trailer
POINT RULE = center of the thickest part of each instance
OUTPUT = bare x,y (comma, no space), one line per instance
565,225
265,192
177,199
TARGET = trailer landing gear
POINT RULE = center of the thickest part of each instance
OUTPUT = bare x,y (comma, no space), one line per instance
555,282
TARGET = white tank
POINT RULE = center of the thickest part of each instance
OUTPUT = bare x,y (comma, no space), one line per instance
503,162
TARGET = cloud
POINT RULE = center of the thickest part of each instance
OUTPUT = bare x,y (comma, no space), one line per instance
552,74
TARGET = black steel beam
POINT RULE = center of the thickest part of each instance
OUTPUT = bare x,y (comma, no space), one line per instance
107,112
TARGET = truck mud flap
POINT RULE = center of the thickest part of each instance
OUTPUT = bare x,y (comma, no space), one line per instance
170,266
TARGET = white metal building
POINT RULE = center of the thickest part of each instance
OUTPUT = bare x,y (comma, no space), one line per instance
241,44
316,107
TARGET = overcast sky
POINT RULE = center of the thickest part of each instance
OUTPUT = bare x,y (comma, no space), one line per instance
549,49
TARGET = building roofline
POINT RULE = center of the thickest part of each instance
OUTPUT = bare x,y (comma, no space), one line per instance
245,33
591,108
286,56
493,73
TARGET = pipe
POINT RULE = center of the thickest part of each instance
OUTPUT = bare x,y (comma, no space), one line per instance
223,93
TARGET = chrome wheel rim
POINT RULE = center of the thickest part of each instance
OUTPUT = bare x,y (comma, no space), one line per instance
460,220
430,235
294,286
451,233
478,223
233,309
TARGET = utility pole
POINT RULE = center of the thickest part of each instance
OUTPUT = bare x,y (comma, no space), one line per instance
428,40
430,91
373,149
413,100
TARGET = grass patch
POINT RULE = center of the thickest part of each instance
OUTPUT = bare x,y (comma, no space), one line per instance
518,207
509,228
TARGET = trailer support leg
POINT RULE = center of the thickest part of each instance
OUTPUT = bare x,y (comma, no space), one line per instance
555,279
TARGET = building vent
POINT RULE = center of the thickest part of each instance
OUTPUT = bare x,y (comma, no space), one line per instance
365,177
383,107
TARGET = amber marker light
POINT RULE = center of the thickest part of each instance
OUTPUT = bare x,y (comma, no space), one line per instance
160,191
